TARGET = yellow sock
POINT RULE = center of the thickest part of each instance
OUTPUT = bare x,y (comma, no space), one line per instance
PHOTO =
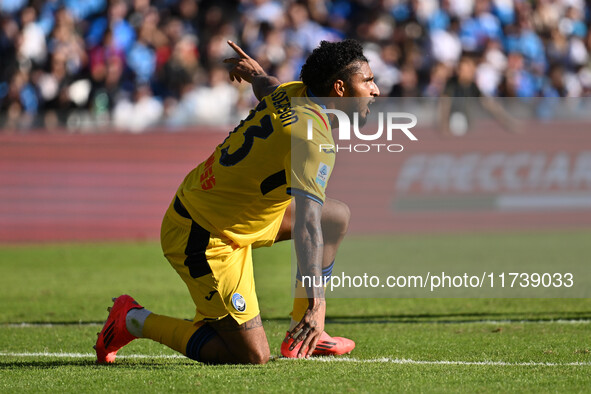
174,333
300,303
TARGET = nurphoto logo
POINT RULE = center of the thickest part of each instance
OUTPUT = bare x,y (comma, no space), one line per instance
388,123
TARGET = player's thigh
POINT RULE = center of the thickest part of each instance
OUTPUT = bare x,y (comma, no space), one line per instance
235,293
335,220
247,342
241,328
218,275
284,232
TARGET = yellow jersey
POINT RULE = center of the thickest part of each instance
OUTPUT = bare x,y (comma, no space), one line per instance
242,190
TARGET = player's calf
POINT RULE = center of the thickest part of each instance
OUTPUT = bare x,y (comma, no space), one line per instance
244,343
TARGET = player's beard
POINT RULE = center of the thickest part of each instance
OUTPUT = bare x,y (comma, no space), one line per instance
362,118
361,105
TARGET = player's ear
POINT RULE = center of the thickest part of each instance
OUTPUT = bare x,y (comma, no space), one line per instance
339,87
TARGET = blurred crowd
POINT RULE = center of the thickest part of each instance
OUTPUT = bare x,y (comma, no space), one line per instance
133,64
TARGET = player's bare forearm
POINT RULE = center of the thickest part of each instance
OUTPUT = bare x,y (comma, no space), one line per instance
309,243
264,85
309,248
247,69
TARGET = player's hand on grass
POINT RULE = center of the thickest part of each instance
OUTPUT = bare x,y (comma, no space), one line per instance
310,328
244,68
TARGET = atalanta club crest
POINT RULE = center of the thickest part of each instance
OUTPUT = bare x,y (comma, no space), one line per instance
238,302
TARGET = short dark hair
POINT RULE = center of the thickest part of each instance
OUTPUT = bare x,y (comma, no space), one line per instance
329,62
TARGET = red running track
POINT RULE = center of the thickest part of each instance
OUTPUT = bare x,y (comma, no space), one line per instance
93,187
111,186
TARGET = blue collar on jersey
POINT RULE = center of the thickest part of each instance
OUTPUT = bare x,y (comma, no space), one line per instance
314,98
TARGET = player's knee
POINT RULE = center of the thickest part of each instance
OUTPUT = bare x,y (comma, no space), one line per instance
342,217
258,353
259,357
346,214
255,356
335,221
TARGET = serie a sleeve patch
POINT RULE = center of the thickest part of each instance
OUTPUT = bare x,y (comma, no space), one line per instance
322,174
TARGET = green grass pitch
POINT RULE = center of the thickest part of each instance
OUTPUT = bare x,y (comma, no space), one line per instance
54,299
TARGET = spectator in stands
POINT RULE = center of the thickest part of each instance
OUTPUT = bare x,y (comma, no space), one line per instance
33,45
182,69
437,81
124,49
458,103
409,83
139,113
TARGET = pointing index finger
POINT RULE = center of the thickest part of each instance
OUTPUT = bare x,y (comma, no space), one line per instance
238,50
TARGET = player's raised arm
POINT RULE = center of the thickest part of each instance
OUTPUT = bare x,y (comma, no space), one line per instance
247,69
309,246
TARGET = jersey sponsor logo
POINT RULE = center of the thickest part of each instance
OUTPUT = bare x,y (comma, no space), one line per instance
238,302
210,296
207,178
322,175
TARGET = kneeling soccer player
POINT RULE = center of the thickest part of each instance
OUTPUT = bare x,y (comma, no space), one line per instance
245,196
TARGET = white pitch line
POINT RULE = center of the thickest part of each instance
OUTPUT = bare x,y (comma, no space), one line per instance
387,360
88,355
383,360
557,321
49,325
523,321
